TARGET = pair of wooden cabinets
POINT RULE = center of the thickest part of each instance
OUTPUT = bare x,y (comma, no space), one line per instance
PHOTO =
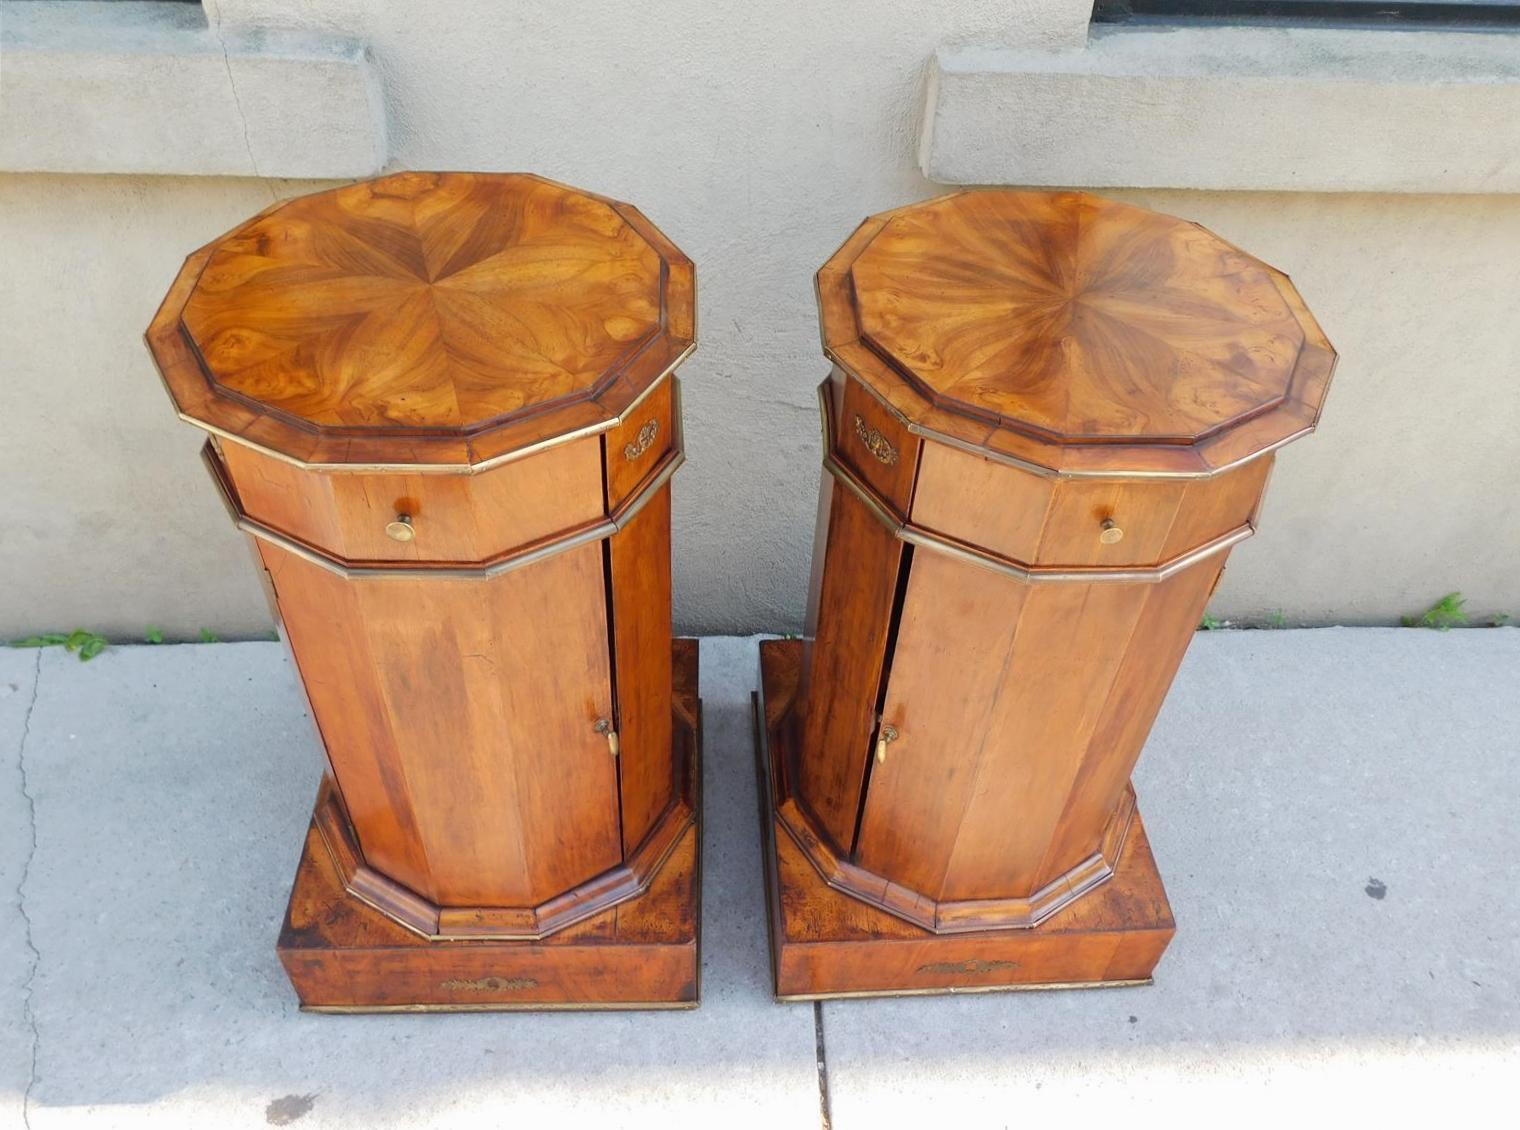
444,408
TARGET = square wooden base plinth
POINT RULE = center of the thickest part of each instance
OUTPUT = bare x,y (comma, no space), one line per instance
343,956
827,944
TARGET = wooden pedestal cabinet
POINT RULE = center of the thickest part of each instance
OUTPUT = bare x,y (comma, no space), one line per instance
1050,419
443,406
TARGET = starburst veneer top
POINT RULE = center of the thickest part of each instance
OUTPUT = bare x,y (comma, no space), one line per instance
424,318
1076,334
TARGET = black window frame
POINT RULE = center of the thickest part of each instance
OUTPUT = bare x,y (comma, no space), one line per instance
1457,15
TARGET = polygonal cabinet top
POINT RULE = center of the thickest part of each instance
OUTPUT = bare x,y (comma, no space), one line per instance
424,318
1075,334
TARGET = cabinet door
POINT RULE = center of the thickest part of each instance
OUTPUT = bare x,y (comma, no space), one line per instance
1019,710
548,624
957,626
843,672
460,721
639,559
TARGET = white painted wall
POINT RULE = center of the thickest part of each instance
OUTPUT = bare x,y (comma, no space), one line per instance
756,136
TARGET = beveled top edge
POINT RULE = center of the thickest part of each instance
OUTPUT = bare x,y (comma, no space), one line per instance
198,401
1223,448
511,456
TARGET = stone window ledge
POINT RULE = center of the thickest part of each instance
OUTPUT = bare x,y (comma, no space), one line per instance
88,86
1316,110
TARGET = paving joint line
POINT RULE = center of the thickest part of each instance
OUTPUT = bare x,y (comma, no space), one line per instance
825,1116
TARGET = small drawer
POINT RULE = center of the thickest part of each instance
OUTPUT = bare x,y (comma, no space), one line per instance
1097,522
636,448
1033,520
425,519
1147,521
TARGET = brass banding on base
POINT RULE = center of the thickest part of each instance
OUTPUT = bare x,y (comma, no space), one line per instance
504,1006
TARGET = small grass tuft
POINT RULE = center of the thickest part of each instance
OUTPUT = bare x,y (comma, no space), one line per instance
1277,620
208,636
1448,612
47,639
87,645
153,635
1210,623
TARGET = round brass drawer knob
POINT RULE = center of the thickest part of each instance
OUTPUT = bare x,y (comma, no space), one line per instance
1111,533
401,529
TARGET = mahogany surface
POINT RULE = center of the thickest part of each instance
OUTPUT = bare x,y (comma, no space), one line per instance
436,319
1073,333
461,731
458,519
1050,419
344,956
827,944
443,406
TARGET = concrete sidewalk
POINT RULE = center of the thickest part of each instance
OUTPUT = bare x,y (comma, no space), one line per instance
1334,813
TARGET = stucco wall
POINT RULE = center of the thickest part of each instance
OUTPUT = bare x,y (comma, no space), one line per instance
756,136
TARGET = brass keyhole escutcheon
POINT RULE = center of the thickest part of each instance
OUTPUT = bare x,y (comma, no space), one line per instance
886,734
605,728
401,529
1110,532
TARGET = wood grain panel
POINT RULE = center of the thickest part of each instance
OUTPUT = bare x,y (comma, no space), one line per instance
629,458
456,518
956,631
323,622
1074,333
425,301
829,944
550,627
459,719
1067,651
639,557
981,501
439,319
343,955
481,516
845,662
1080,317
434,662
1211,507
826,942
1143,510
1161,637
1040,521
876,445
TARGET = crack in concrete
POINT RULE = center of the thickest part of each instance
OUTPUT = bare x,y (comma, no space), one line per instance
26,870
237,101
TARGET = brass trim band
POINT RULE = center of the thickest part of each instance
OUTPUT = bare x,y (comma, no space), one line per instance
619,517
916,535
926,432
947,991
515,1006
450,468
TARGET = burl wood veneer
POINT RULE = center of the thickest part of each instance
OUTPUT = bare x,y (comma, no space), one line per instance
443,407
1050,418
